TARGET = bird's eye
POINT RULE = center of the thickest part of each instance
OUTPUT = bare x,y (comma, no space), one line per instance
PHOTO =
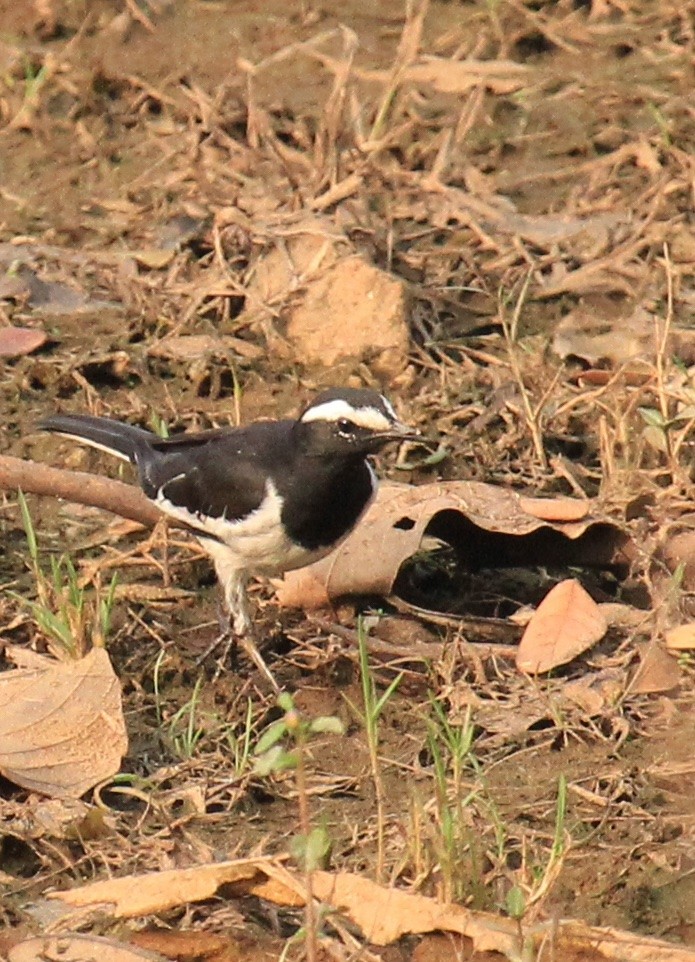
345,426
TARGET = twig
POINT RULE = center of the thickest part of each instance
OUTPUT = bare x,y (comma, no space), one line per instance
122,499
510,328
662,333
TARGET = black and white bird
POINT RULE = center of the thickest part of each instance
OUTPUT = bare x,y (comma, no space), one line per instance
261,499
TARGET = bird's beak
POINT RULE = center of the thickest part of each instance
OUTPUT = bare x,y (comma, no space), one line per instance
400,432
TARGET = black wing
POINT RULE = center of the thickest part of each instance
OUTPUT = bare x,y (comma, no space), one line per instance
221,473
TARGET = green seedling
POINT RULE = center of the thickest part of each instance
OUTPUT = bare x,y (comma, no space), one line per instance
159,425
192,728
63,609
283,747
369,718
455,846
544,877
240,745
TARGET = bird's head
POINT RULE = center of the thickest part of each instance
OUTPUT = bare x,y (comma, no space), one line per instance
345,421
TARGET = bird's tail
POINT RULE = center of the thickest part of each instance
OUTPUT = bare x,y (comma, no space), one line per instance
114,437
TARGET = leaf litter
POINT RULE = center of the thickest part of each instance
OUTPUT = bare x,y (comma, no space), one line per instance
519,168
62,729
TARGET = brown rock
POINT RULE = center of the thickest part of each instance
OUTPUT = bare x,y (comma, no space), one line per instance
352,309
338,306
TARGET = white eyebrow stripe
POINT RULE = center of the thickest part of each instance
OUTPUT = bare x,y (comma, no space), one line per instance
368,417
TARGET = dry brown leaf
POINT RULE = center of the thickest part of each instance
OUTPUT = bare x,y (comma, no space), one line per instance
630,376
555,509
16,341
61,725
681,638
657,672
468,515
191,347
457,76
566,623
50,297
582,693
386,914
383,914
194,945
452,203
132,895
79,948
589,335
679,552
153,258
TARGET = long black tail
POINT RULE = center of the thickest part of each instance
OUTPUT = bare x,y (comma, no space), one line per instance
123,440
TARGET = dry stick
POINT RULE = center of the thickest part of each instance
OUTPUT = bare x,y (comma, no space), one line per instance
78,486
662,334
510,329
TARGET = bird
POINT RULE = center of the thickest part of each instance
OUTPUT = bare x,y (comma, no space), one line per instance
261,499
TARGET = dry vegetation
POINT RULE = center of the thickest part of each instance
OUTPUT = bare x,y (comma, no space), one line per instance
208,211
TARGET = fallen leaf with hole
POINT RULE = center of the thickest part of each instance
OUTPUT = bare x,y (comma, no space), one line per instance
61,725
383,914
79,948
488,526
16,341
681,638
566,623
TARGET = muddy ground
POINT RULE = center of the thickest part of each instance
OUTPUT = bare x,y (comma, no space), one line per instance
536,213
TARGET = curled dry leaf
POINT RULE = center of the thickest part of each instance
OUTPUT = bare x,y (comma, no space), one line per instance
566,623
555,509
488,526
597,335
61,725
587,334
136,895
383,914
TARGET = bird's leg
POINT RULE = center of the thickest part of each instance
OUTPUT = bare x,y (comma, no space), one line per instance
237,628
237,604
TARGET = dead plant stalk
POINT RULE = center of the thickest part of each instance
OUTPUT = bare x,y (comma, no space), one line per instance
531,415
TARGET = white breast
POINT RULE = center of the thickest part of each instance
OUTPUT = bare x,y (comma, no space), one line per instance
257,543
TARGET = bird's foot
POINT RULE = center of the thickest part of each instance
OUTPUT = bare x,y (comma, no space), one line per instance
232,636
